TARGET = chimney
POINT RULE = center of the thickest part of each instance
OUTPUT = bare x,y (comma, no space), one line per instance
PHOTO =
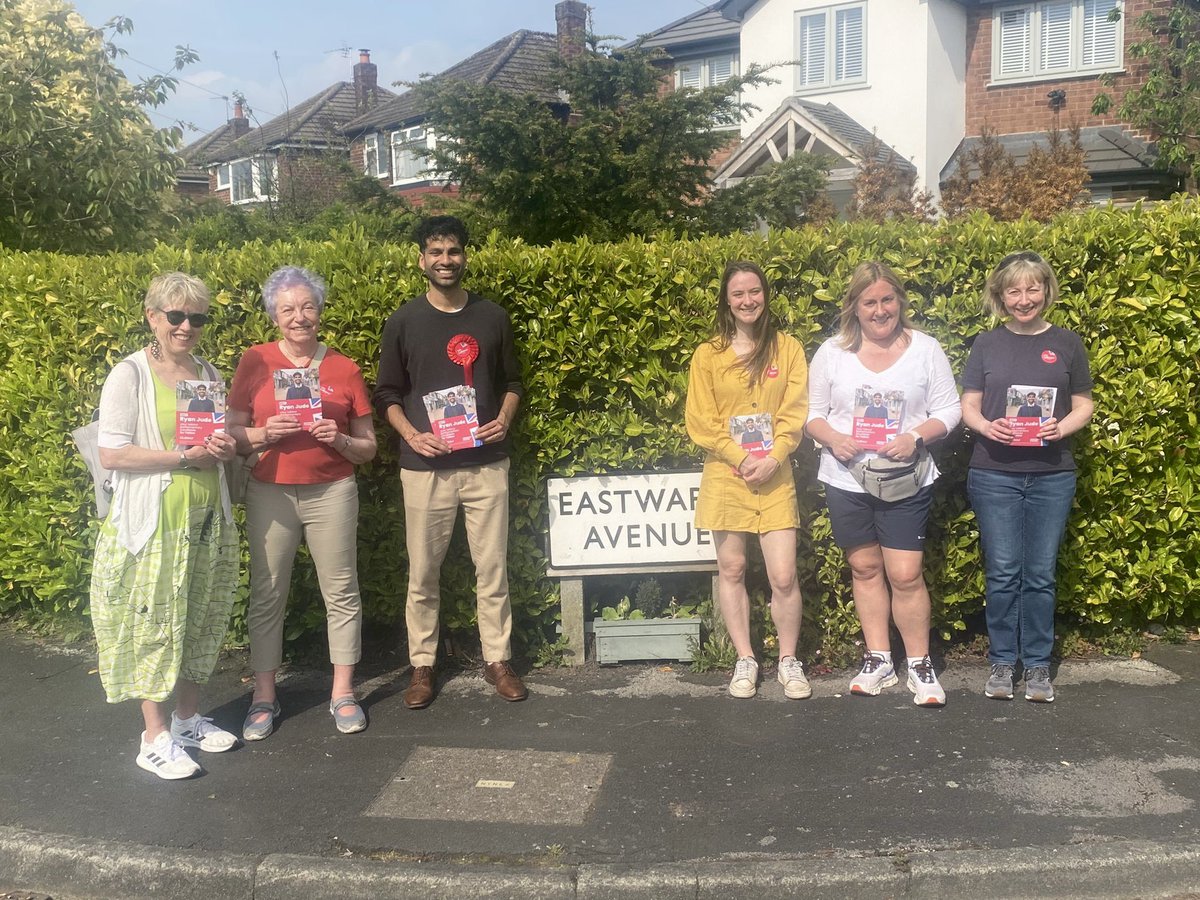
571,18
241,125
366,82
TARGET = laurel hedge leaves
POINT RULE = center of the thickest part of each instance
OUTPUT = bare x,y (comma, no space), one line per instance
606,332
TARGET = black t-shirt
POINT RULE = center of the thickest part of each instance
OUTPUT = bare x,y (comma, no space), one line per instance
999,359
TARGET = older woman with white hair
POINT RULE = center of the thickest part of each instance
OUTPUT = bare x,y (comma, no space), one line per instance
301,488
166,559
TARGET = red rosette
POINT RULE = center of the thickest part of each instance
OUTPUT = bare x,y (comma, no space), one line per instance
463,350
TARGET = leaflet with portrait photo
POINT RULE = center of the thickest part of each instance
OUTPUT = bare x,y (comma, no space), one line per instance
453,416
298,393
877,416
1028,407
199,411
755,434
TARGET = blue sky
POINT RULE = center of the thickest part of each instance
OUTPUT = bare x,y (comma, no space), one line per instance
317,42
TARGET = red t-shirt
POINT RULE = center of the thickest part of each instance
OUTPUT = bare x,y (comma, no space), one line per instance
300,458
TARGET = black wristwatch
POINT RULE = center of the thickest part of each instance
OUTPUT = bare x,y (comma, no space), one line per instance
920,441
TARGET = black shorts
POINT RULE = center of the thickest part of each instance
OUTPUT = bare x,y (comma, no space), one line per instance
859,518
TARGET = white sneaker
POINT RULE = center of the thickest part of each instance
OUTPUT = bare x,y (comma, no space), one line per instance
791,676
923,682
165,758
877,673
199,731
744,683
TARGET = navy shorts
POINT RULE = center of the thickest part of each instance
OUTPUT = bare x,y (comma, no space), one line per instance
859,518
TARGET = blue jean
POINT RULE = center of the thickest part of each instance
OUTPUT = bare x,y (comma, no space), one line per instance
1022,517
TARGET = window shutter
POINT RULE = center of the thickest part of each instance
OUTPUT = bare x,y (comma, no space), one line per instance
1056,36
849,62
1014,41
689,75
812,49
720,69
1100,35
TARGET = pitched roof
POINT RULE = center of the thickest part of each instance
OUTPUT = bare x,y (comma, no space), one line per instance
200,151
804,126
1107,150
515,63
712,24
315,122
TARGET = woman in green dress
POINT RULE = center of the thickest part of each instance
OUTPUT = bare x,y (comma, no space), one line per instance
166,559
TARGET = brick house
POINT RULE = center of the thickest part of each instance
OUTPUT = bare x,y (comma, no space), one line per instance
388,142
295,155
192,179
925,77
1031,67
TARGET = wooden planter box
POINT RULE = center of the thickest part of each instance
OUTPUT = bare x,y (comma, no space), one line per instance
618,640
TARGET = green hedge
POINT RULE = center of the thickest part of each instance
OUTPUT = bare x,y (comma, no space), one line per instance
606,332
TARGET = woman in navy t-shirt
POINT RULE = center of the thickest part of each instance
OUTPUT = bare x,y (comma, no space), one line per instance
1022,483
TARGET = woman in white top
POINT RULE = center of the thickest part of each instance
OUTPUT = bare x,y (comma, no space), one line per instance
877,351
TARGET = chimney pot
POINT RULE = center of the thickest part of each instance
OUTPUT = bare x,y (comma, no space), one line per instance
366,82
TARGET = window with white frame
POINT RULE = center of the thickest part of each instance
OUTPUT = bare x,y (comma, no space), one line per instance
223,177
1056,37
252,180
831,46
375,160
707,72
409,162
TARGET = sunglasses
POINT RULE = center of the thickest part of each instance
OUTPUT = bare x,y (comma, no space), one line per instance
176,317
1023,256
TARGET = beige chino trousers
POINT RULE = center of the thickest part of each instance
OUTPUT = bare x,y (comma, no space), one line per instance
325,517
431,502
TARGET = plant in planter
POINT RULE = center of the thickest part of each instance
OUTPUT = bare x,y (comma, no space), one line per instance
646,628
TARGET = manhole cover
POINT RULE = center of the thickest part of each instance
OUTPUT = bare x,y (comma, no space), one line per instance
463,784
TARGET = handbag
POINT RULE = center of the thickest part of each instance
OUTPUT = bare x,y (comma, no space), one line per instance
87,439
892,479
237,476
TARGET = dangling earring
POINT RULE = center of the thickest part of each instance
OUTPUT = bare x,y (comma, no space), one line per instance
156,348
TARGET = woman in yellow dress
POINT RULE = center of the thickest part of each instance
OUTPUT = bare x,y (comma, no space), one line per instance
751,372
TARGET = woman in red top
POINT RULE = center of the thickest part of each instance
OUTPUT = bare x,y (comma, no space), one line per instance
302,488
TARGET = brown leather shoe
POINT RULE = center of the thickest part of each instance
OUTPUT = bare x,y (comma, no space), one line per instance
420,689
505,680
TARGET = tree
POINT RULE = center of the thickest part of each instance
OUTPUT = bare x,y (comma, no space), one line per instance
601,149
81,167
787,194
1167,103
988,178
883,189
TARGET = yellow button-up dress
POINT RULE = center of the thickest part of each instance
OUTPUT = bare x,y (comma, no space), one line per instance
718,390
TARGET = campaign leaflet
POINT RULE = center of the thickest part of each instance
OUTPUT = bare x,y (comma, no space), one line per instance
877,416
298,393
453,417
755,433
1028,407
199,411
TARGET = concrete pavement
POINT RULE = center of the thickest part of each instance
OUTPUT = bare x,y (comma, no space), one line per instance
636,781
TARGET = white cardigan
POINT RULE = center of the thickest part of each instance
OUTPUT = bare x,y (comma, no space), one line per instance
128,416
922,372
